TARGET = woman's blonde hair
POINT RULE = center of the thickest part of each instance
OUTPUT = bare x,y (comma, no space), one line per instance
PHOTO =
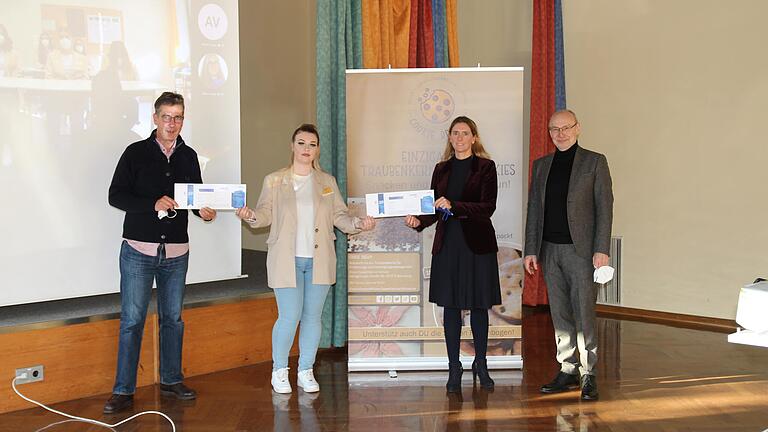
477,146
308,128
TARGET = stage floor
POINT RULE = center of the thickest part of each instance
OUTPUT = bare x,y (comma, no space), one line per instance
651,378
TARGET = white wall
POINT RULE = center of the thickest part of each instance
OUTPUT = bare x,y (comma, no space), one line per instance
277,89
674,94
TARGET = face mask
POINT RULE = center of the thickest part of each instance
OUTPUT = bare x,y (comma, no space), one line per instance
65,44
80,49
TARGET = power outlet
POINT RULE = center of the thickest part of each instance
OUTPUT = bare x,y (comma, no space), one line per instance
33,374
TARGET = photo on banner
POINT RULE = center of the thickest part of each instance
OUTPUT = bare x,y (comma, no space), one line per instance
397,130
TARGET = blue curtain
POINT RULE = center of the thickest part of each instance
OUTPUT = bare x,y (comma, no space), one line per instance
559,58
440,33
339,47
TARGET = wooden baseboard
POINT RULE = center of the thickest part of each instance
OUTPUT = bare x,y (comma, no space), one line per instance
79,359
668,318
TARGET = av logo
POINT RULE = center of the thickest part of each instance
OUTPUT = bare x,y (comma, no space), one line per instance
212,21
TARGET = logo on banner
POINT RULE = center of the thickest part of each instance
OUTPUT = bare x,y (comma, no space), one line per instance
434,104
437,105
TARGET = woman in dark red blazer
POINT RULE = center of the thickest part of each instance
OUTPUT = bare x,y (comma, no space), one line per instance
464,273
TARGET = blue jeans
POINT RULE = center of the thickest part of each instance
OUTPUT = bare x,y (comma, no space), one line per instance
136,274
303,303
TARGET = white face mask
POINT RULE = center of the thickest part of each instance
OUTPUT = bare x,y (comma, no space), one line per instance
80,49
65,44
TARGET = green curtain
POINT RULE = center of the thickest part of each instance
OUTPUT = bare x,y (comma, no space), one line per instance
339,47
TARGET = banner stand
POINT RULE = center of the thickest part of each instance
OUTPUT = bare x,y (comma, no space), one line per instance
397,130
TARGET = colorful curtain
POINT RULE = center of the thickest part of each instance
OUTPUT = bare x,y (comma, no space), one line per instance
547,96
352,34
409,33
339,47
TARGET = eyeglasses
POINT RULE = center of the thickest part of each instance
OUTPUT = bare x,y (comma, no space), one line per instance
564,129
168,118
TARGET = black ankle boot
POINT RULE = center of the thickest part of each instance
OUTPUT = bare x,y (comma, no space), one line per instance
480,369
454,378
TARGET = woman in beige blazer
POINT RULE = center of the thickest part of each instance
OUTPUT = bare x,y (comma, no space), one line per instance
302,204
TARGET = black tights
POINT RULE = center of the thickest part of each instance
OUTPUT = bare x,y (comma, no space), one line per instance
452,326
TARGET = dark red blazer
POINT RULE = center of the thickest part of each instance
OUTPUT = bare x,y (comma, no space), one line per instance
474,210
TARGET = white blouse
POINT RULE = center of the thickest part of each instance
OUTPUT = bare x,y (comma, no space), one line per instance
305,208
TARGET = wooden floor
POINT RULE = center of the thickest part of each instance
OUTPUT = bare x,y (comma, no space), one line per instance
652,378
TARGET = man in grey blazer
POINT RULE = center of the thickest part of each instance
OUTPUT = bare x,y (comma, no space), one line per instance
568,232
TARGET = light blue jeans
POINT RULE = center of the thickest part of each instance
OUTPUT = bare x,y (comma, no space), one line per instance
303,303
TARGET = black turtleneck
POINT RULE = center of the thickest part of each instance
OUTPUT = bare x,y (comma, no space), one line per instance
556,198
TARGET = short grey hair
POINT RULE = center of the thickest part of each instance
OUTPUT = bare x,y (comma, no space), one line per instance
563,111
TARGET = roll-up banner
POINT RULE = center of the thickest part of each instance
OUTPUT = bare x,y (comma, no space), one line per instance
397,130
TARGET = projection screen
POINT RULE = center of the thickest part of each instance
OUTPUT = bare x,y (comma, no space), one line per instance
77,83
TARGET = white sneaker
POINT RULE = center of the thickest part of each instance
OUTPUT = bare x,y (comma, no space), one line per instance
280,382
307,381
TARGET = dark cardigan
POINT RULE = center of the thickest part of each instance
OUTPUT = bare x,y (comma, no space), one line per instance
143,175
474,211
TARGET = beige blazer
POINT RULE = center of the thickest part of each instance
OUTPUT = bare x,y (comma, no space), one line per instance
277,207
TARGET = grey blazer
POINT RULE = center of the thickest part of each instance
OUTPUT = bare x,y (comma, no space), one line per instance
590,204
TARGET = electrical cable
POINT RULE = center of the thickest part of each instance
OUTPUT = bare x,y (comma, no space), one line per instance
86,420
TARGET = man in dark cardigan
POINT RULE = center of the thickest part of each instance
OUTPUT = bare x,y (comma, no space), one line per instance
155,248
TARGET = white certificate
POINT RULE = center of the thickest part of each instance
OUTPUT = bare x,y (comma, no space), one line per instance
215,196
388,204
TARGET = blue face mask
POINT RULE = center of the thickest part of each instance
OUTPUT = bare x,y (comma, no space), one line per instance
444,213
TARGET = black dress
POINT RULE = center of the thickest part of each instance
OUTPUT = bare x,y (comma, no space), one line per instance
460,278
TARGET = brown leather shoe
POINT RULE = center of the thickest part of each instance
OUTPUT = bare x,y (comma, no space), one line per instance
118,403
179,391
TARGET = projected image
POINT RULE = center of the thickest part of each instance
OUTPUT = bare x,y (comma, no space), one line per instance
212,71
212,21
77,85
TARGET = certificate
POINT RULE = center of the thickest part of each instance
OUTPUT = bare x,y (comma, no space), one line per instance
215,196
390,204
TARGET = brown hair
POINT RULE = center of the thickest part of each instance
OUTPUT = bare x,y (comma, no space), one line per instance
308,128
169,98
477,146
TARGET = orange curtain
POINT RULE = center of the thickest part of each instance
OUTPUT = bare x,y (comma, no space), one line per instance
386,33
452,24
401,33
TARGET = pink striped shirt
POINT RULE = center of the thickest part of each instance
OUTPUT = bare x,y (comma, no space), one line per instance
172,250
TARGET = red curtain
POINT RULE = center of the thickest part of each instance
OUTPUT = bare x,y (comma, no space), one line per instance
542,107
421,47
